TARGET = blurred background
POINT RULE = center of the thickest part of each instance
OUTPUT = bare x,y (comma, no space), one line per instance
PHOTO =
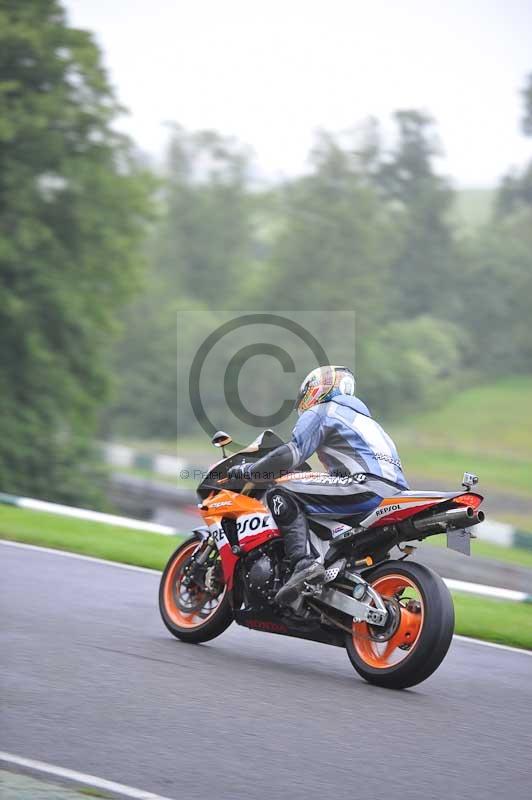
347,156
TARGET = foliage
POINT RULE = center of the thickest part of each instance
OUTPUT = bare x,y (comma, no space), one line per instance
527,102
495,287
72,209
472,209
424,262
198,254
368,228
353,234
485,429
203,243
398,374
516,188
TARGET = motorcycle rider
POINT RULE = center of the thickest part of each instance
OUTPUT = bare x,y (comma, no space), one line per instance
338,427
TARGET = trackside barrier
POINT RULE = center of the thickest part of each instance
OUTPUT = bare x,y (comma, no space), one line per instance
83,513
487,591
152,527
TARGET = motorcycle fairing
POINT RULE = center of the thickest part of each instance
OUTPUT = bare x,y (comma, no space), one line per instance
404,505
254,526
261,620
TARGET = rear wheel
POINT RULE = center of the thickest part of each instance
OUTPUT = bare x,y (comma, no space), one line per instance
190,611
419,631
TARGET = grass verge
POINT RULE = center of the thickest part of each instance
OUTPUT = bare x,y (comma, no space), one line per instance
463,434
496,552
510,474
88,538
492,620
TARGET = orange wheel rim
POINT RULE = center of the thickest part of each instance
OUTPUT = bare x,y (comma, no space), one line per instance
184,605
382,654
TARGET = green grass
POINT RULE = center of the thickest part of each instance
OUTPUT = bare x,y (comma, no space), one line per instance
496,418
88,538
485,429
508,474
493,620
495,552
508,555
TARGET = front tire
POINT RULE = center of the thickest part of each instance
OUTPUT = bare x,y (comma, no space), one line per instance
189,612
419,635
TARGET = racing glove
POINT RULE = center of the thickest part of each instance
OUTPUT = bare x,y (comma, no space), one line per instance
266,468
241,472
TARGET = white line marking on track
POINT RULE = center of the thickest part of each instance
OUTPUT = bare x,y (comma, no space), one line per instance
470,640
486,591
79,556
95,516
119,564
80,778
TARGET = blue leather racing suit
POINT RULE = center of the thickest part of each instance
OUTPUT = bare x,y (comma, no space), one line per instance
354,450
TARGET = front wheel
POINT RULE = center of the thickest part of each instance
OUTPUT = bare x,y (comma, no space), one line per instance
190,611
419,631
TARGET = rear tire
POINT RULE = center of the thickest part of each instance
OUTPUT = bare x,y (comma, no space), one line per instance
427,638
201,624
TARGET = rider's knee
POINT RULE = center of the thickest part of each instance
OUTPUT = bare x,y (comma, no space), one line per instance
283,506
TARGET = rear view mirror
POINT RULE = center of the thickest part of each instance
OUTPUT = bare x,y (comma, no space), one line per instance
221,439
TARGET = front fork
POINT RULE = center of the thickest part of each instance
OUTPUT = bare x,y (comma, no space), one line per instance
195,569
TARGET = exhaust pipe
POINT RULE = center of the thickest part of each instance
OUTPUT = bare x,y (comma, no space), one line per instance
453,518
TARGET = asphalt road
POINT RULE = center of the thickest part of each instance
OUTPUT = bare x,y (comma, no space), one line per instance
92,681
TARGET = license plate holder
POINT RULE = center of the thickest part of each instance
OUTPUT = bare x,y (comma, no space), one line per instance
460,541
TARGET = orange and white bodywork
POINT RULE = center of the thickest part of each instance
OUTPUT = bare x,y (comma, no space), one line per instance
402,506
254,526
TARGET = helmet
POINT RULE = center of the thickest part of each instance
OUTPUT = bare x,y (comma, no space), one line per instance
322,384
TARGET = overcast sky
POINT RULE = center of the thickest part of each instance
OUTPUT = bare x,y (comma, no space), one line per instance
271,72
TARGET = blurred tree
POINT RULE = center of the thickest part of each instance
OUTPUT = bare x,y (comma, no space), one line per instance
515,191
73,207
527,101
499,270
369,232
204,238
410,365
337,243
365,230
199,257
425,260
497,273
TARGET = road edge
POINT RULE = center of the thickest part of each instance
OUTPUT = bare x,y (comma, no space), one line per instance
74,779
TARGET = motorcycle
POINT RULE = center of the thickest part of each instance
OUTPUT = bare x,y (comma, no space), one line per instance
395,618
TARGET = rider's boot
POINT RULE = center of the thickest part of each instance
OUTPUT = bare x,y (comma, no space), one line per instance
294,526
306,571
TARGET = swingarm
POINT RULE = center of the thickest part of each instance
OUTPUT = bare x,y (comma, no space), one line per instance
364,604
